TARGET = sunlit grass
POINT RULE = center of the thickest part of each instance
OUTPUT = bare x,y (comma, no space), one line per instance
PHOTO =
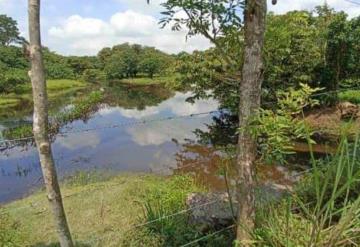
20,101
149,81
352,96
99,212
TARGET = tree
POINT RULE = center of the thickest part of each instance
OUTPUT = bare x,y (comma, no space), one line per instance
219,21
9,31
41,125
291,51
249,104
151,62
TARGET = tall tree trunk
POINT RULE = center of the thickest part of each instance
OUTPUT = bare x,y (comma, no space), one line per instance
250,95
40,128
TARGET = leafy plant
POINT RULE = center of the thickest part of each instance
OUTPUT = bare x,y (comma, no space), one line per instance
324,210
277,130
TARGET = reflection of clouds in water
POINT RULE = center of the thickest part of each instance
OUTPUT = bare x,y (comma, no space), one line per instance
161,132
76,141
163,163
176,105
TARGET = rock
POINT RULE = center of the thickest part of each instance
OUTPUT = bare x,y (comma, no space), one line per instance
348,110
209,210
213,210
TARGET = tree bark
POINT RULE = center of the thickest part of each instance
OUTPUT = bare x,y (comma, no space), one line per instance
250,95
40,127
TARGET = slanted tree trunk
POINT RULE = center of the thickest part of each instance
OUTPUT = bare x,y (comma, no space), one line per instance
250,95
40,128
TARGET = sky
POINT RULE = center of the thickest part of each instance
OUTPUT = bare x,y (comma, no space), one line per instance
83,27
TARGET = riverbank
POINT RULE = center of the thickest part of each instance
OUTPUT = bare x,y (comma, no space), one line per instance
156,80
20,101
102,211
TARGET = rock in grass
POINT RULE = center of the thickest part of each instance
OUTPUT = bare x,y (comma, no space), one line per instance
211,210
348,110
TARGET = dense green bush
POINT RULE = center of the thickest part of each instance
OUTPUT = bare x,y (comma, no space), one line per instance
352,96
94,76
59,71
277,130
11,78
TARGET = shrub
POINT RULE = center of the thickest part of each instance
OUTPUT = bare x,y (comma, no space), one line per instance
59,71
277,129
352,96
168,199
11,78
94,76
323,211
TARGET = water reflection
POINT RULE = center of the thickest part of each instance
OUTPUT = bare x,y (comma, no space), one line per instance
140,147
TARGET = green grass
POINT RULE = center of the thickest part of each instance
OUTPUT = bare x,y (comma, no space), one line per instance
7,102
352,96
83,107
100,211
19,103
56,89
149,81
323,210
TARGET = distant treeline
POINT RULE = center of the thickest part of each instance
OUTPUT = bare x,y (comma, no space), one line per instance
121,61
320,48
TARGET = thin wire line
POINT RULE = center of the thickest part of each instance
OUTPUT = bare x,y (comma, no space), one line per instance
119,125
135,226
157,120
208,236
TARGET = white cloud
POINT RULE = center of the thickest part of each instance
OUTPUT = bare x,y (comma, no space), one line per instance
80,35
176,105
76,31
74,142
162,132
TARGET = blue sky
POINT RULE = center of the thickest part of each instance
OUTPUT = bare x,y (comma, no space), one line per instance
83,27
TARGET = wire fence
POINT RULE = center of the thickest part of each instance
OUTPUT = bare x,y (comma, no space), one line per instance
147,121
113,126
141,122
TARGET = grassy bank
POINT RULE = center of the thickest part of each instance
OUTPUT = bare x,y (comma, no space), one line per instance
103,213
56,89
149,81
352,96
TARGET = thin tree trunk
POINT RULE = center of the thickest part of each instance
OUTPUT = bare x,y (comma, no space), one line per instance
40,127
250,95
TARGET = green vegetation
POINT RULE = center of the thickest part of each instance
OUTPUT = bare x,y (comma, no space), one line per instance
149,81
319,49
324,210
56,90
352,96
277,131
127,61
101,212
82,108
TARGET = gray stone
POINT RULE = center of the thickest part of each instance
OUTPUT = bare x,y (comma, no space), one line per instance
348,110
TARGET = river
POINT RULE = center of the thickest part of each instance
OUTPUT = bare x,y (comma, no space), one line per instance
137,129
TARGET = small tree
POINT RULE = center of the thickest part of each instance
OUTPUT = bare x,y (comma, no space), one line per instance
41,125
150,63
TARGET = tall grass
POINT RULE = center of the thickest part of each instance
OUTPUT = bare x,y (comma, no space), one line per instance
175,230
325,208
